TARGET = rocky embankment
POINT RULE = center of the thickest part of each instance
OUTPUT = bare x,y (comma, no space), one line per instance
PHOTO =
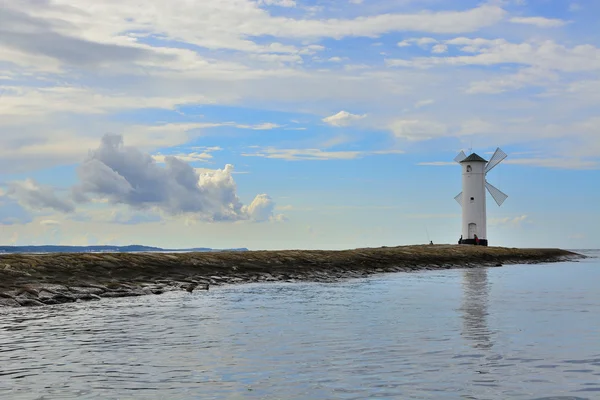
40,279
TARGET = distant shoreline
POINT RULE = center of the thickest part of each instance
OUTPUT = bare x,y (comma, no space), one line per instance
134,248
55,278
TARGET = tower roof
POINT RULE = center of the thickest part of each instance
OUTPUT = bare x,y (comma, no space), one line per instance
473,158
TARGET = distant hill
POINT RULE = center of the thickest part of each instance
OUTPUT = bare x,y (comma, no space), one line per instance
102,249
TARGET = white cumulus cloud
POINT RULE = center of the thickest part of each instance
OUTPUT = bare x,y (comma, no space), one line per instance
125,175
261,209
343,118
439,48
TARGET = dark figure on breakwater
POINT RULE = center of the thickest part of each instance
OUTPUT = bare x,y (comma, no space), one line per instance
431,242
475,241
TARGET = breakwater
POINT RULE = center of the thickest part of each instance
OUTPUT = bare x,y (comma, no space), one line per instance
39,279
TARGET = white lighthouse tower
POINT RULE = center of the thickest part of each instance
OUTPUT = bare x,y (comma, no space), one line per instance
472,197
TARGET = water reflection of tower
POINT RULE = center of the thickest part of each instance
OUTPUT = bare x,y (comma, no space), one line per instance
474,308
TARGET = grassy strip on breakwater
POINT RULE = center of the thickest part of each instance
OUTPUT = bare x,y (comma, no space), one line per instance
38,279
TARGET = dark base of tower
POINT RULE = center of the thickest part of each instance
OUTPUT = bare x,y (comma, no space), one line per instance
482,242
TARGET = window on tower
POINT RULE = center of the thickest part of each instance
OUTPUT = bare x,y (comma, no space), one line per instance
472,199
468,168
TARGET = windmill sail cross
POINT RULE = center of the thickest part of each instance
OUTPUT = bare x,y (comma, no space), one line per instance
461,156
496,193
458,198
496,159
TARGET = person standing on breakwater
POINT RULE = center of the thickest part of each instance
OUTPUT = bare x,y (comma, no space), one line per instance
476,240
460,240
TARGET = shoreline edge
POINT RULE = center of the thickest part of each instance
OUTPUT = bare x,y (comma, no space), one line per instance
46,279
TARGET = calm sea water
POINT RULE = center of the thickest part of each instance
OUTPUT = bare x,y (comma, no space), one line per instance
516,332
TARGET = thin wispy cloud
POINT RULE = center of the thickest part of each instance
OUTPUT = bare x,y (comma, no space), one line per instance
316,154
540,22
510,221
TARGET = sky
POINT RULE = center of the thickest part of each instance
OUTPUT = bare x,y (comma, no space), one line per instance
296,124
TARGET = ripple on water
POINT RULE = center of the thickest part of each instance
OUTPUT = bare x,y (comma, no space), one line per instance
474,334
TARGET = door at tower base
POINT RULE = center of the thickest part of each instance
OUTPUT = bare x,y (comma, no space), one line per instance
472,230
471,238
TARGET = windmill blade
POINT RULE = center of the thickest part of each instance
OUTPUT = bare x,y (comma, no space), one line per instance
496,193
461,156
458,198
496,159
